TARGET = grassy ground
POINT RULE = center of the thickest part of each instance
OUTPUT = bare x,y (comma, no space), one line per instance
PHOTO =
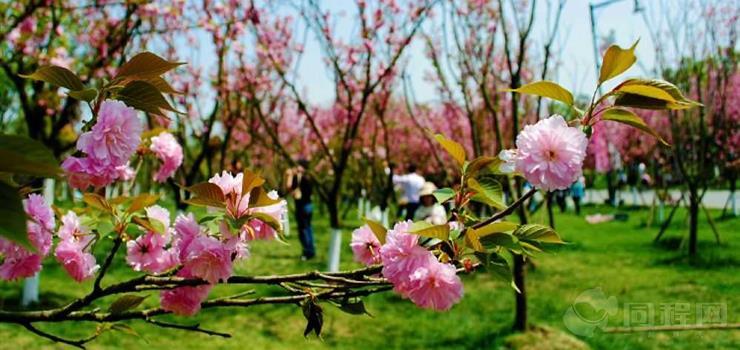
617,257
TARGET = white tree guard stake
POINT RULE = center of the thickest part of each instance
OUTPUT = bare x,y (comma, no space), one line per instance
285,221
335,249
384,217
31,284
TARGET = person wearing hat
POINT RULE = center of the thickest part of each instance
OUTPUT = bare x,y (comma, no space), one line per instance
429,210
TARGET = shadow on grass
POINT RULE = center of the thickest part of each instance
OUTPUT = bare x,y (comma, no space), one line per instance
48,299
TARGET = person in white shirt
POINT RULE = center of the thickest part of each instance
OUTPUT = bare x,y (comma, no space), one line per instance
410,185
429,210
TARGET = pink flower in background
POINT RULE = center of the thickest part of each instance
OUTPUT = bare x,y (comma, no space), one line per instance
184,301
365,246
550,153
435,286
79,264
147,253
231,186
115,136
186,229
166,148
209,259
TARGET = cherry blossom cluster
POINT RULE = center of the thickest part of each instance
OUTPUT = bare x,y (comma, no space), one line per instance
415,272
109,146
549,154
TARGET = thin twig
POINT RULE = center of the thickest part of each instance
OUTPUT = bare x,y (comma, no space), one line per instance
76,343
192,328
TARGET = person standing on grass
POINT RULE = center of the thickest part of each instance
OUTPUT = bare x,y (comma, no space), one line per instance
300,187
429,210
410,184
577,192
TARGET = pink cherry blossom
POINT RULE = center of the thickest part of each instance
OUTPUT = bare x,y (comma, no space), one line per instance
231,186
550,153
161,215
186,229
80,265
209,259
40,224
365,246
435,286
184,301
115,135
88,172
402,255
237,242
147,253
166,148
259,228
19,263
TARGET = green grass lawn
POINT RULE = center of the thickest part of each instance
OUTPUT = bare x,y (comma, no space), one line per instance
618,257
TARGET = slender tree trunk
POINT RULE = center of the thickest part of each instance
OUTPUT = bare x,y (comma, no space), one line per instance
693,222
520,273
520,318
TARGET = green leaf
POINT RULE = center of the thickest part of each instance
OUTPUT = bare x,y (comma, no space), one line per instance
97,201
22,155
624,116
142,201
617,60
547,89
537,233
425,229
455,149
269,220
496,265
145,65
86,95
125,303
144,97
148,225
56,75
13,217
206,194
378,229
491,235
487,191
480,163
444,194
651,94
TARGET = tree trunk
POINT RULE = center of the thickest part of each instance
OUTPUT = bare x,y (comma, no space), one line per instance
693,222
520,318
520,265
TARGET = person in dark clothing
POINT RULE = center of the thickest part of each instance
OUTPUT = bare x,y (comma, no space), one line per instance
300,187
